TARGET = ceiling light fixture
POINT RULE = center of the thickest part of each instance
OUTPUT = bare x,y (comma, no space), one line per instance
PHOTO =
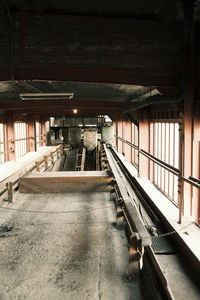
75,111
46,96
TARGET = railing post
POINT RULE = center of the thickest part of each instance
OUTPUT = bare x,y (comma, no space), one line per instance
46,161
37,166
58,153
10,191
52,158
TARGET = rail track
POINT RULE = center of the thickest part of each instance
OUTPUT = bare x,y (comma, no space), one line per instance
153,244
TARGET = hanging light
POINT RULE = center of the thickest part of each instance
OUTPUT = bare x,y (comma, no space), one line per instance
46,96
75,110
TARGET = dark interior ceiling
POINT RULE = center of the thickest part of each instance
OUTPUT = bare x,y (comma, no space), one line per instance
110,55
127,8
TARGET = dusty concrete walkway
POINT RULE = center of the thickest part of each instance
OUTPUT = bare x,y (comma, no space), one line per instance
74,255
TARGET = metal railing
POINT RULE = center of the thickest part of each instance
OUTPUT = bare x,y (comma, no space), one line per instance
9,184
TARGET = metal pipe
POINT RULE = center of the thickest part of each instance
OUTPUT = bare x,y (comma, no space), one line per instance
164,165
195,182
127,142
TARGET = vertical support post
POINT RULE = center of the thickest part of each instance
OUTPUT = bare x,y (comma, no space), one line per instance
123,135
180,163
188,154
52,158
10,191
117,146
189,127
127,136
58,153
30,136
144,144
114,129
46,161
196,170
61,150
43,133
151,137
120,149
37,166
198,212
35,136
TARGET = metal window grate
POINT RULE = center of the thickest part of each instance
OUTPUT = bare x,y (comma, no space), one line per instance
126,140
20,139
164,145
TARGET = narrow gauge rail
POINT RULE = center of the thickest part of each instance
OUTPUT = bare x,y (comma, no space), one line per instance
133,205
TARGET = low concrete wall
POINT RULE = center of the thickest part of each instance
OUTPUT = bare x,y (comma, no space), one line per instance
66,182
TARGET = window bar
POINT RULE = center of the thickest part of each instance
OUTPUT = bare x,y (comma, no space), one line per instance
164,156
7,142
153,135
18,134
16,143
156,150
20,144
169,160
117,136
159,153
149,150
198,221
25,138
23,150
173,159
131,142
134,160
137,143
134,143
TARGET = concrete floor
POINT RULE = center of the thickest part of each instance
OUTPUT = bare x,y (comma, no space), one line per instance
63,246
